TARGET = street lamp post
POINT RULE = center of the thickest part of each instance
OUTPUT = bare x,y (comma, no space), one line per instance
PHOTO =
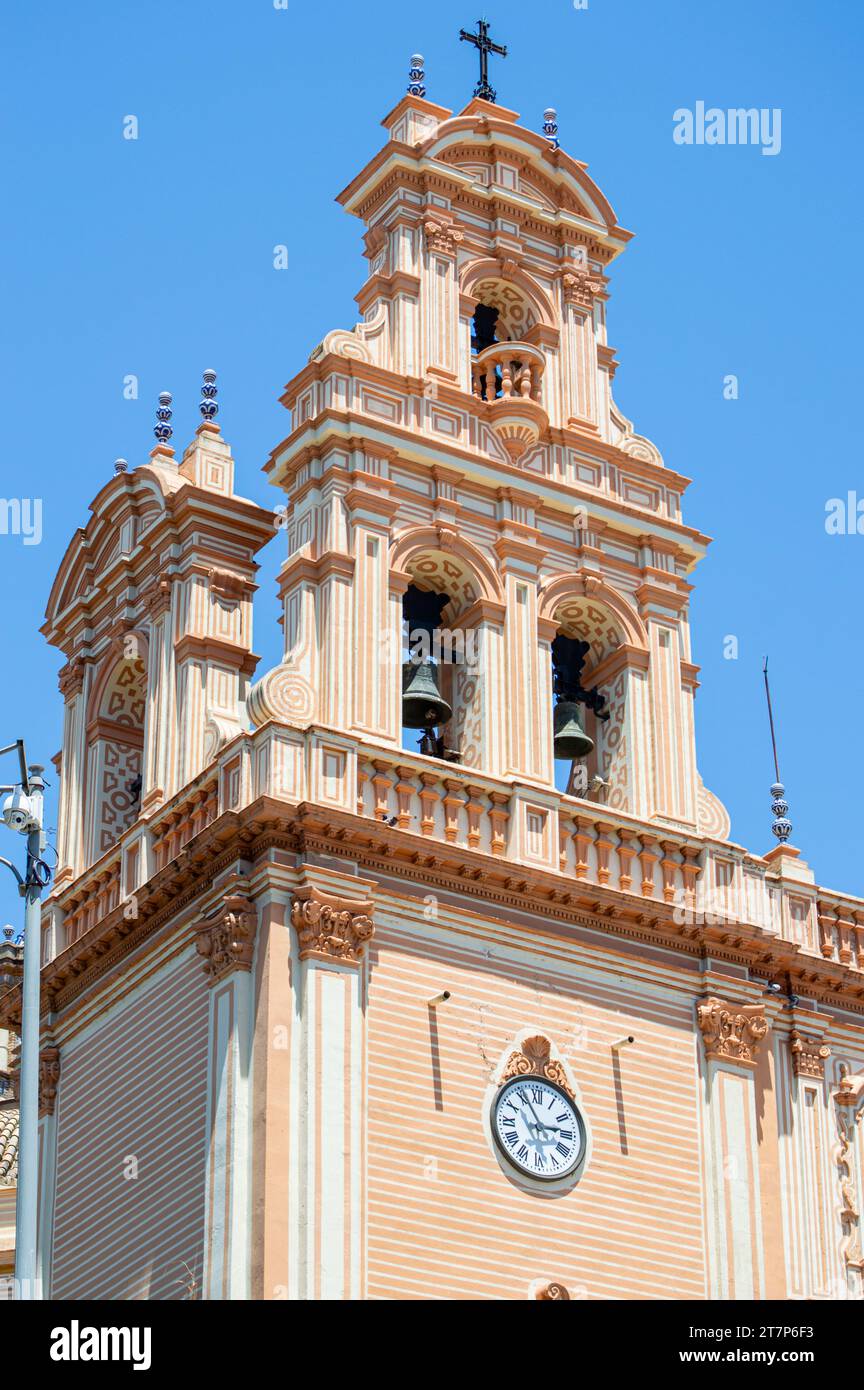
23,811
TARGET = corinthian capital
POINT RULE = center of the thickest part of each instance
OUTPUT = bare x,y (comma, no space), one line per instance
227,939
331,928
731,1032
580,287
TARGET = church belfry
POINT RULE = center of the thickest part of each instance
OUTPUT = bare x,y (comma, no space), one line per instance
434,919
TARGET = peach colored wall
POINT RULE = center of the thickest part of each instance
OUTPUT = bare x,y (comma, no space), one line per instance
134,1087
444,1219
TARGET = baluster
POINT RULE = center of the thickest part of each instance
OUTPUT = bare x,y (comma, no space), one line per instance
498,818
669,867
404,793
474,810
845,926
362,779
452,804
647,860
690,870
582,838
506,376
826,930
603,846
428,802
382,786
626,853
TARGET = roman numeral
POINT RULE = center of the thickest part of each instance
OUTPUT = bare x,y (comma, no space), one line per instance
523,1152
562,1149
561,1118
509,1120
511,1137
566,1134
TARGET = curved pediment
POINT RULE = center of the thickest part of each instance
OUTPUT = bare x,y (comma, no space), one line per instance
128,506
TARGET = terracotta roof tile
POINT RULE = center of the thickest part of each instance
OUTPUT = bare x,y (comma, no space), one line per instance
8,1145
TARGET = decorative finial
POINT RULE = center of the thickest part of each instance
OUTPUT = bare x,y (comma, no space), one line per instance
782,826
120,466
550,125
209,406
416,75
484,46
163,430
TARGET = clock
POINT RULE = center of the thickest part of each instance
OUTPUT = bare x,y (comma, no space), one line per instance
538,1128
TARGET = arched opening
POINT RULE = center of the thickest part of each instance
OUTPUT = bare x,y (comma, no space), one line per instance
440,657
503,315
115,753
588,712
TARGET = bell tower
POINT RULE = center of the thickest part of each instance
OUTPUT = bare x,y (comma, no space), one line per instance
462,440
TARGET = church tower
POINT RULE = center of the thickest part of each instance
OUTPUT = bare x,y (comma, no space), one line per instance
434,921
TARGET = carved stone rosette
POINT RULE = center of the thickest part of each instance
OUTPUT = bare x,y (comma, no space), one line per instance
227,940
331,928
808,1055
731,1032
534,1059
49,1079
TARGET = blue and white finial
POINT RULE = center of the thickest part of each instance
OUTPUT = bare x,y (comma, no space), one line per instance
550,126
416,75
163,430
209,406
120,466
782,826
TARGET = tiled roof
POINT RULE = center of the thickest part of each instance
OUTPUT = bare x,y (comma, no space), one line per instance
8,1145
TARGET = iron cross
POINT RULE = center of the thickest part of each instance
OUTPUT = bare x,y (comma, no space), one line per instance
484,46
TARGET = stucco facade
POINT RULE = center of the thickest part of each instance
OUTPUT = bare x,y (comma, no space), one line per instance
254,1085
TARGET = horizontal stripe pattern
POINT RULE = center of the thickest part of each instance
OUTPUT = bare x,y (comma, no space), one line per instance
133,1092
445,1219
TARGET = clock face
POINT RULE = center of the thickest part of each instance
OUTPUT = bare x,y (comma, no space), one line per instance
538,1128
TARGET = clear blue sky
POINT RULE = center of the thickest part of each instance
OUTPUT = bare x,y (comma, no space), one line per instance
154,257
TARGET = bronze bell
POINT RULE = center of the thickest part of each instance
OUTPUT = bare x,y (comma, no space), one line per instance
423,706
570,740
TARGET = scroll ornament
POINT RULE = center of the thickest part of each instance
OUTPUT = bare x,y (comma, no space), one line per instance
331,928
534,1059
731,1032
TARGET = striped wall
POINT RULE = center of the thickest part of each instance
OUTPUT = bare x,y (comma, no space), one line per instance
445,1219
130,1197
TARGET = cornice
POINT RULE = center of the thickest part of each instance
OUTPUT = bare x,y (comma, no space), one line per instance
556,902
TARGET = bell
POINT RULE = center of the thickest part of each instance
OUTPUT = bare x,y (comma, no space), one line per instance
570,740
423,706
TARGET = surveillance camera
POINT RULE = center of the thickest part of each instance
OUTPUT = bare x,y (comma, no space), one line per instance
18,812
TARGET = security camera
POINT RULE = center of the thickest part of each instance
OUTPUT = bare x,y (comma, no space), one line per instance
18,812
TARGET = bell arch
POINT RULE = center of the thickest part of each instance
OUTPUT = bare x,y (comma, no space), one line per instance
438,561
513,290
616,658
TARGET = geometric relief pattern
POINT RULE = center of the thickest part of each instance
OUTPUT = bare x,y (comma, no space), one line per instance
444,574
515,315
121,764
578,617
123,701
467,722
612,747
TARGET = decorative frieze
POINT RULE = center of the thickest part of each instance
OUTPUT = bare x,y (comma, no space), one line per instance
227,940
731,1032
808,1055
49,1079
331,928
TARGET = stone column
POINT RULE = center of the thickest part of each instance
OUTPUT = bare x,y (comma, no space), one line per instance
732,1034
226,940
333,922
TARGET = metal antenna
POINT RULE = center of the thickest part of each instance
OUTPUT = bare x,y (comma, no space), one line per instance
782,826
